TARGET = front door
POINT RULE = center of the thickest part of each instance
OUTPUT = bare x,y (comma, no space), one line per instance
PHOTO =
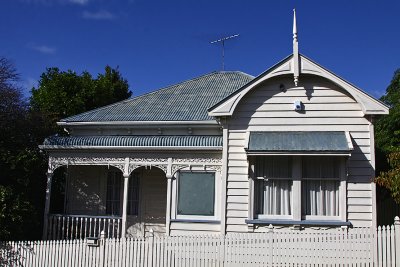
151,206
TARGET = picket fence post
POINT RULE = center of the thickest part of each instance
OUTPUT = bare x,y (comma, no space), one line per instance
151,243
102,248
397,239
271,244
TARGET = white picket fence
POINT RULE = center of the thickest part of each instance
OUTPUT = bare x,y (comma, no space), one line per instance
344,247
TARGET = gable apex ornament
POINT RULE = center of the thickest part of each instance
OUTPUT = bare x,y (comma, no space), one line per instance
296,57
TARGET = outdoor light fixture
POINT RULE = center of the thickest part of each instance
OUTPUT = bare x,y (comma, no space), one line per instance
298,106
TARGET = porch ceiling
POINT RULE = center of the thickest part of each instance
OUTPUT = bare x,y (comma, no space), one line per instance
133,141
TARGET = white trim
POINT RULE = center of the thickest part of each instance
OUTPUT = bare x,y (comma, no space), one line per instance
296,188
275,217
125,123
246,140
368,104
224,178
373,185
349,142
298,154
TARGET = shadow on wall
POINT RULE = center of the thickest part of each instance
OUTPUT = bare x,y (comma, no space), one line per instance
80,190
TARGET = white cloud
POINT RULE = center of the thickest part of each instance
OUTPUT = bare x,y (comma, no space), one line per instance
44,49
98,15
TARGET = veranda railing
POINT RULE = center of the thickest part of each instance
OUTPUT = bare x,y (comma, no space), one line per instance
344,247
80,226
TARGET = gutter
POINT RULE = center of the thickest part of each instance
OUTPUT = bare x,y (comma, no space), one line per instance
157,148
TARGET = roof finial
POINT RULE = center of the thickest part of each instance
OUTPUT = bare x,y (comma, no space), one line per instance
294,26
296,71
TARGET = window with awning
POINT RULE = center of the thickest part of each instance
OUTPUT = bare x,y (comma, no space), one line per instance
305,167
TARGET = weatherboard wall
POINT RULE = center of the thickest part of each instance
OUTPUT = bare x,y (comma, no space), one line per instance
326,108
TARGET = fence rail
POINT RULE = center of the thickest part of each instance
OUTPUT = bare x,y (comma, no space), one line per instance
342,247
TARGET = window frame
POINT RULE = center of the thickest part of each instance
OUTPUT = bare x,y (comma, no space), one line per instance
296,193
175,190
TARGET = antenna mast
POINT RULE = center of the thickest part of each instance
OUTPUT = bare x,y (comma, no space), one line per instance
222,40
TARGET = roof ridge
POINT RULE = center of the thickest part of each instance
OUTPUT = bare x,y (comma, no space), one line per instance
156,91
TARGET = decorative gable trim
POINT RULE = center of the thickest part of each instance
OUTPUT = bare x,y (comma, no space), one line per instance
369,105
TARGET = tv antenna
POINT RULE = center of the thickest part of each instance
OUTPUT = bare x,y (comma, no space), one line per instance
222,41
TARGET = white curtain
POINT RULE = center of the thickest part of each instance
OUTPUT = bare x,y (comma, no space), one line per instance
320,194
320,197
277,197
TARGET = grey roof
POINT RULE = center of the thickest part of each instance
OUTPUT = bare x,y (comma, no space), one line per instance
298,142
135,141
185,101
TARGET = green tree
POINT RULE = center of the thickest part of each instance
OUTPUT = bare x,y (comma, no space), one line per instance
387,137
391,179
387,129
65,93
61,94
20,160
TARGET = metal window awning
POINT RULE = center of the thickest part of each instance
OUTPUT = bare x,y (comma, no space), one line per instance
299,143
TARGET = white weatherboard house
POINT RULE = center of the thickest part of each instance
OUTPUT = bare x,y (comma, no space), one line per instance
224,152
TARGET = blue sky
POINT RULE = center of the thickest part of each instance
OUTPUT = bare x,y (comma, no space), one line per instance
158,43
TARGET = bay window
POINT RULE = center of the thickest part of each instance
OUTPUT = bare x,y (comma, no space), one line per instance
299,187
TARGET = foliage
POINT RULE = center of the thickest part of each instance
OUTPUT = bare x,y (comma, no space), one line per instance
387,129
24,125
391,179
387,137
62,94
14,211
20,160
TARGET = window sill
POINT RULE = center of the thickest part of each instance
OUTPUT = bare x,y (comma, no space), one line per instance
195,221
303,222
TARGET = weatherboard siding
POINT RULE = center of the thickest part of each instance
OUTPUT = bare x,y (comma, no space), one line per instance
327,108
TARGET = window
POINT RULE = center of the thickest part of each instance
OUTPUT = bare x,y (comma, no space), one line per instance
283,180
113,200
196,193
133,194
274,186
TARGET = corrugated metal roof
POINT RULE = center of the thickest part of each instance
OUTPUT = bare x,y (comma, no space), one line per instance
135,141
186,101
298,142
